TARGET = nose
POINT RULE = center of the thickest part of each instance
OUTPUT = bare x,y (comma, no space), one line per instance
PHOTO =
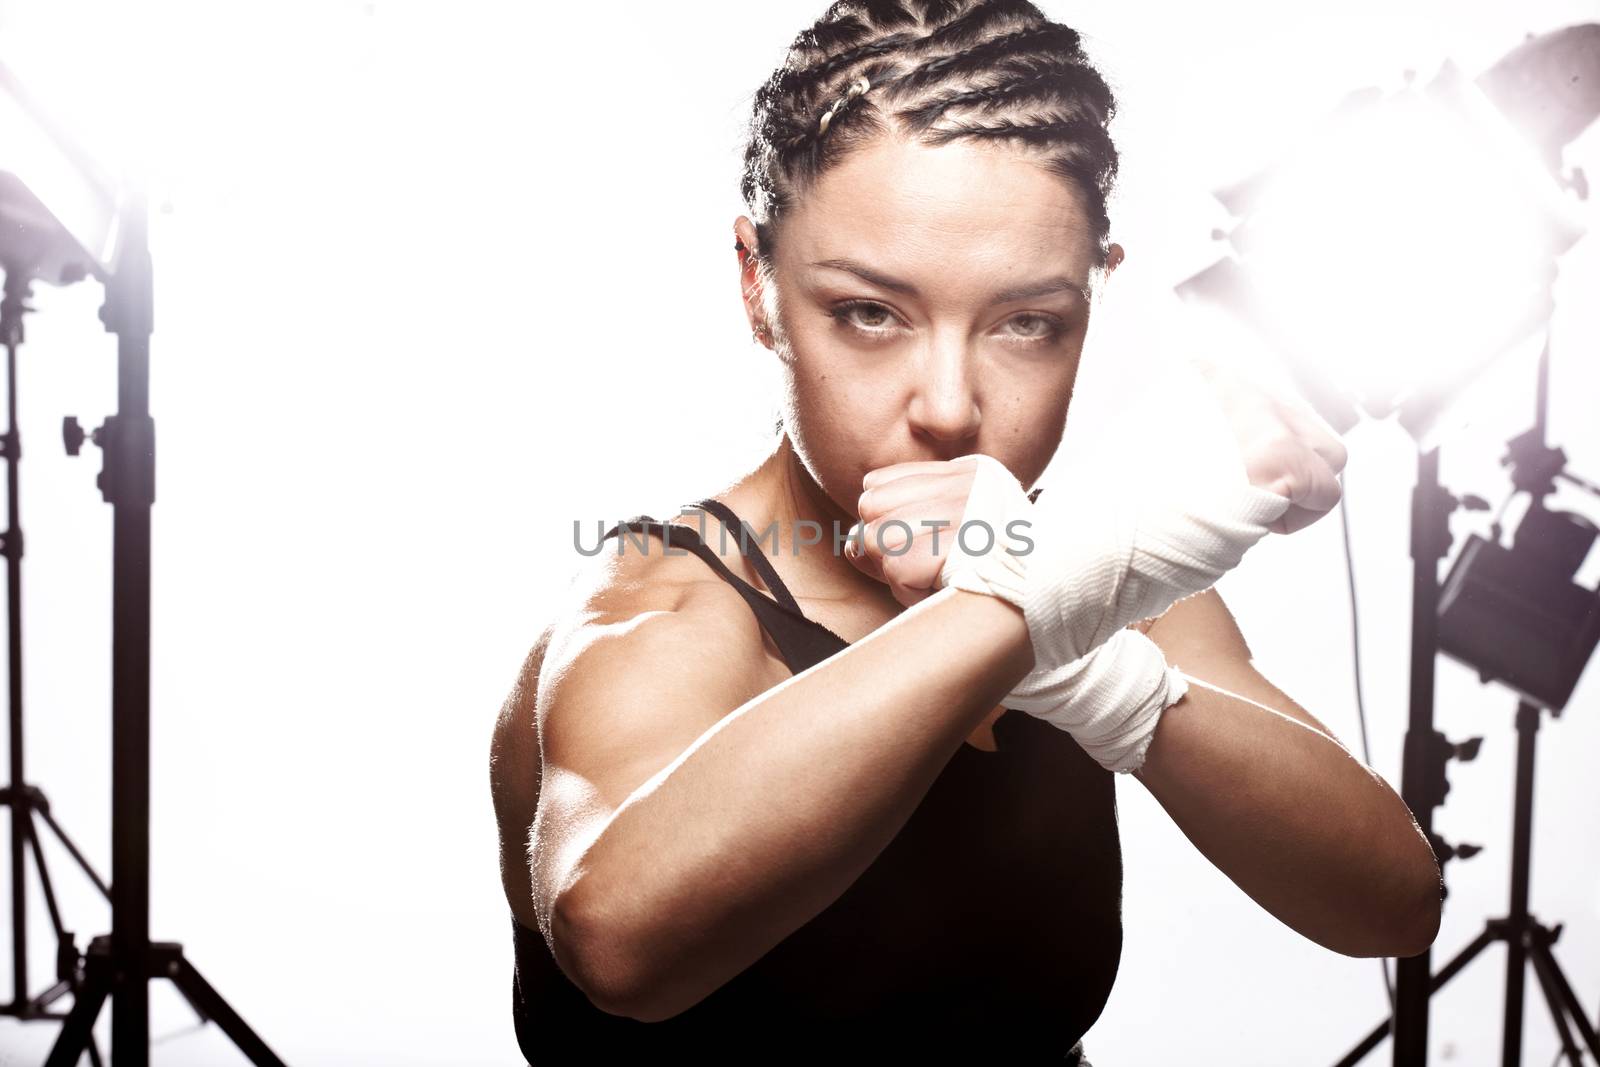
944,401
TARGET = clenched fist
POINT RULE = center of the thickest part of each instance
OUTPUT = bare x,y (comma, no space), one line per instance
910,513
1241,432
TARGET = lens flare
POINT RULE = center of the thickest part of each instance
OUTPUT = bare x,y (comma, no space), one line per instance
1407,234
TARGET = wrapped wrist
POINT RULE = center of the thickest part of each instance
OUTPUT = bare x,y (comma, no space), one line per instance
1109,700
1108,547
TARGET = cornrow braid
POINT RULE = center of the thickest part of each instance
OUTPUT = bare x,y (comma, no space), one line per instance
1031,89
1050,37
937,12
828,35
938,71
844,60
1081,84
887,14
979,20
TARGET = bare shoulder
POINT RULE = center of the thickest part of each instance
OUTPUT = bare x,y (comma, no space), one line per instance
641,654
631,621
651,650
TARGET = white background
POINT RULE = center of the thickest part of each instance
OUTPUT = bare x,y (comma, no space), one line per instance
435,280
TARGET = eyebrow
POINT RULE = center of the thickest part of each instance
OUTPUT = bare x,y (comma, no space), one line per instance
1048,286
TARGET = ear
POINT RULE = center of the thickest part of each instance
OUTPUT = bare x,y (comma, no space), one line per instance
1099,275
747,247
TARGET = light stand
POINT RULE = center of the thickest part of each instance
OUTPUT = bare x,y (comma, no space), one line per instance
27,801
1544,88
1422,764
34,244
120,965
1527,940
62,230
1535,468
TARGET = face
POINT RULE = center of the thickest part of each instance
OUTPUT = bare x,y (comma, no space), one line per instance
931,302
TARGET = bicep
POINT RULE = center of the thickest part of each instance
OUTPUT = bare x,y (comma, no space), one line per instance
623,696
1199,636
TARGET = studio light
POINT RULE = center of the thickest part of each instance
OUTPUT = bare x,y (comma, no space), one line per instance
1517,615
1403,242
58,210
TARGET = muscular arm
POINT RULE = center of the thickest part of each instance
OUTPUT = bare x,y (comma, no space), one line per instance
694,814
514,779
1267,795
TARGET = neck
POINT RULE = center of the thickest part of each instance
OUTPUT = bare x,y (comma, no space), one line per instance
782,492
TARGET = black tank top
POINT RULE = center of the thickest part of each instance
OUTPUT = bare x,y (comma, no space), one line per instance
991,922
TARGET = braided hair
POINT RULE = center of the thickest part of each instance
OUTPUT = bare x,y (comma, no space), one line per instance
937,70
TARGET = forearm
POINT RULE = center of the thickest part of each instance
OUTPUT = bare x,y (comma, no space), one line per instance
772,814
1300,825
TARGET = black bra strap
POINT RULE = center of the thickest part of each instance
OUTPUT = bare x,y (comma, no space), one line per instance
801,642
757,557
680,537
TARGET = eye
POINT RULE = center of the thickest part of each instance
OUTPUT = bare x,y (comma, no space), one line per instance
863,316
1030,326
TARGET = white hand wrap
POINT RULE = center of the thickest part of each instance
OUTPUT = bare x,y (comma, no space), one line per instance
1110,546
1108,700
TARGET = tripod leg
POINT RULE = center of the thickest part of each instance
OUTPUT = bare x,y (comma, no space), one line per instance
1367,1044
44,881
1557,1010
1484,939
1543,953
63,941
72,850
199,992
77,1033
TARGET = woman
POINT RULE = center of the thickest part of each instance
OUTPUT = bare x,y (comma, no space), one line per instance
764,800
